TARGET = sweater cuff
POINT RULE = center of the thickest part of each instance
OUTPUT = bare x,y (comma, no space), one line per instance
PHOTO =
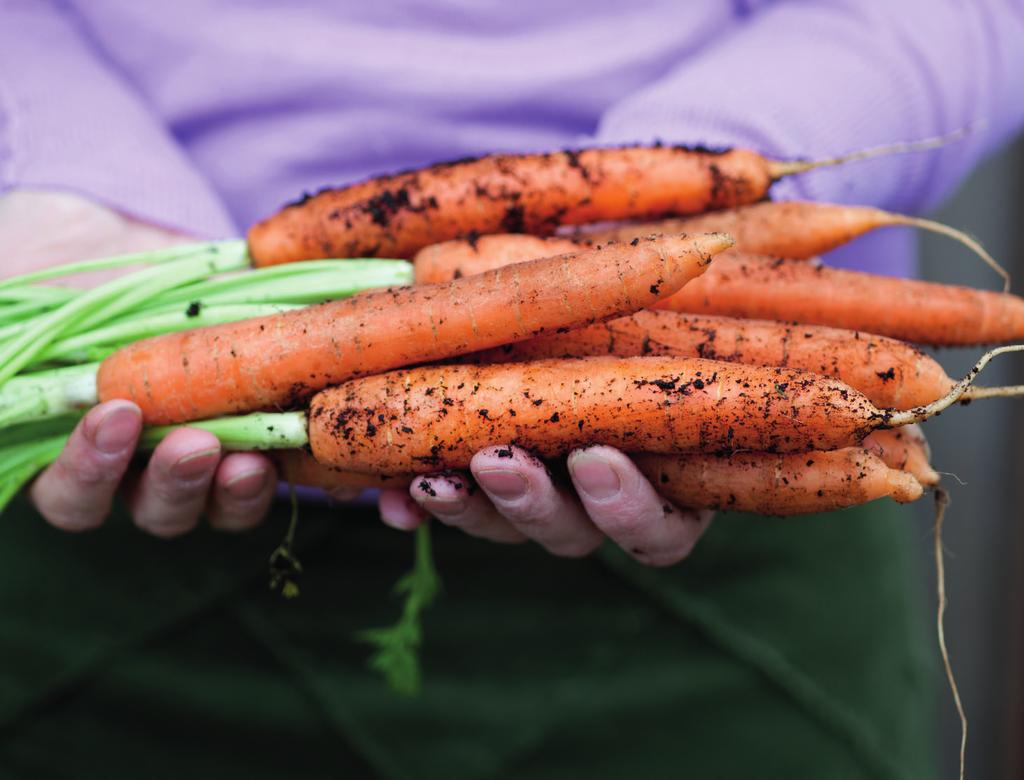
69,121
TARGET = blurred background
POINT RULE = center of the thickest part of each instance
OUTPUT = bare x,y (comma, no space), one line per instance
984,472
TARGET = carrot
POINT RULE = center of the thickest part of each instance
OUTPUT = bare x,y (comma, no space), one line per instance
889,372
281,360
905,449
748,482
778,484
454,259
901,450
394,216
792,229
768,288
761,287
300,468
436,417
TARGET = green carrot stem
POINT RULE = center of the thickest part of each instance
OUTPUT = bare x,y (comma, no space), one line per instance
296,282
135,327
34,432
150,257
20,463
26,453
35,293
104,303
166,278
43,381
259,431
12,317
47,394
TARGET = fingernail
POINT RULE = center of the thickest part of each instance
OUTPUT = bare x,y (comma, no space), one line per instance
195,464
248,484
117,429
503,483
594,476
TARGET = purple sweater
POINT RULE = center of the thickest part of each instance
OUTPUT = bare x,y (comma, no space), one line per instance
205,115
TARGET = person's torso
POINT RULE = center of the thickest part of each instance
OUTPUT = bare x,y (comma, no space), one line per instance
273,99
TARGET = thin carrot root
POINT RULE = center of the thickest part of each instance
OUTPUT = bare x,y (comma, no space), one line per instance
957,235
941,503
779,168
895,419
975,393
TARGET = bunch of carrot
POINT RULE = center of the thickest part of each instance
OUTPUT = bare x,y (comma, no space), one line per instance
742,372
824,354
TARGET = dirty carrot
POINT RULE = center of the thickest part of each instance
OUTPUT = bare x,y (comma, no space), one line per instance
436,417
397,215
748,482
281,360
793,229
761,287
778,484
890,373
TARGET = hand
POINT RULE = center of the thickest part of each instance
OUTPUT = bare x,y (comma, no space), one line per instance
185,478
518,500
186,474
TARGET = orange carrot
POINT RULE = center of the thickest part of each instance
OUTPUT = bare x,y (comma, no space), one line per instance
749,482
778,484
792,229
300,468
454,259
436,417
759,287
889,372
394,216
901,449
791,290
280,360
905,449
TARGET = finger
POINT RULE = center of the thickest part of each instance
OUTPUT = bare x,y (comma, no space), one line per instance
454,500
398,510
523,492
76,491
243,488
623,504
172,492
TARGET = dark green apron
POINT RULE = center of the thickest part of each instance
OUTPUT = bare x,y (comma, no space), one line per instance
781,648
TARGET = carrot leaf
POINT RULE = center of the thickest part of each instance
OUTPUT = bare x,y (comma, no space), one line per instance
396,653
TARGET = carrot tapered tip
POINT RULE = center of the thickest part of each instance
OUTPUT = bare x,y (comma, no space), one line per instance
713,243
903,487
